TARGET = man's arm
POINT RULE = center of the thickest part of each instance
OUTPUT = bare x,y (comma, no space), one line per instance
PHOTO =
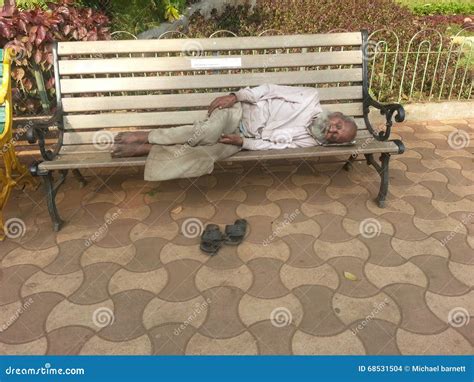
251,143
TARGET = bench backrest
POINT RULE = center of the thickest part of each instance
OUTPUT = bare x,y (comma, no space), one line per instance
155,83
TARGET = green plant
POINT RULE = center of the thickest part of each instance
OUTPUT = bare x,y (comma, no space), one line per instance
30,33
451,8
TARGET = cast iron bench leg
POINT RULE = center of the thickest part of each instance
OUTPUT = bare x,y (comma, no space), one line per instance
82,181
51,189
348,165
382,170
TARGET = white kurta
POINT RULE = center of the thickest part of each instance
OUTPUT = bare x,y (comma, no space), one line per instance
277,116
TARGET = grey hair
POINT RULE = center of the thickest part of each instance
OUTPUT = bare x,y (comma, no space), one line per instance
349,120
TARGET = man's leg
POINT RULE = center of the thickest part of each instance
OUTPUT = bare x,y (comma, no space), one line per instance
206,132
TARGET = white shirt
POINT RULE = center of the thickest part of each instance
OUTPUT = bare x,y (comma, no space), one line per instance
277,116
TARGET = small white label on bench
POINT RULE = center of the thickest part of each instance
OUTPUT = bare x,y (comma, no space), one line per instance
216,63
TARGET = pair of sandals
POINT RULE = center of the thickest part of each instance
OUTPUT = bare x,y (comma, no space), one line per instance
212,238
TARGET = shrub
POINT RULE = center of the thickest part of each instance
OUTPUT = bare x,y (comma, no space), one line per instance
451,8
30,33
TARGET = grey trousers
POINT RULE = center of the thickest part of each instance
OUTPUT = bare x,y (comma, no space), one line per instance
191,150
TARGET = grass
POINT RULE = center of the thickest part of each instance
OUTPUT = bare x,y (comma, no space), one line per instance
412,3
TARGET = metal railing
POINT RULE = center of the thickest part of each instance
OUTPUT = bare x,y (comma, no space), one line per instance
428,67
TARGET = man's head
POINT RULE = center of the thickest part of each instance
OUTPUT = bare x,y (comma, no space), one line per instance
334,127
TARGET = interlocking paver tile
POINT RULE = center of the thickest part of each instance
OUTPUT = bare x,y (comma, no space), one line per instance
266,278
446,342
128,316
11,282
208,277
242,344
302,254
272,339
362,287
320,318
94,288
128,254
170,338
137,346
441,280
181,285
416,316
343,343
31,323
68,340
222,320
147,255
378,336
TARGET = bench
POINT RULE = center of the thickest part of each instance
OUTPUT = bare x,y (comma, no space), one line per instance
104,87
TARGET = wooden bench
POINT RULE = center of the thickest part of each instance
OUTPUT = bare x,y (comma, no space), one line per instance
104,87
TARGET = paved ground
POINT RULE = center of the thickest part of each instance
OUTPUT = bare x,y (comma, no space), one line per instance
322,270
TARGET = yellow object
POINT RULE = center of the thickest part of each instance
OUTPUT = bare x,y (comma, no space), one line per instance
14,173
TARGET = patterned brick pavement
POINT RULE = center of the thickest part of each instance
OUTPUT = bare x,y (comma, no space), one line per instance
322,270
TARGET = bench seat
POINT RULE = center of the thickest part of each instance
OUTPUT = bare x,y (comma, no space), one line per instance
105,87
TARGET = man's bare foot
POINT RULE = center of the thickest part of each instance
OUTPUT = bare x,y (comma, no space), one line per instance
132,137
131,150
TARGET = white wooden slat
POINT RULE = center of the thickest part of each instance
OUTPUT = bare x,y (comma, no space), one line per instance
175,64
104,159
166,118
206,44
158,102
97,85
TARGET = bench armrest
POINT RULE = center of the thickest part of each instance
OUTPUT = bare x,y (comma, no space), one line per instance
387,109
37,131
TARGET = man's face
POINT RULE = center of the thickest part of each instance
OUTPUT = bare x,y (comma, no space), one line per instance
337,131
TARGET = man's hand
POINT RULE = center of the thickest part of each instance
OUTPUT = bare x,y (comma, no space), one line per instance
222,102
231,140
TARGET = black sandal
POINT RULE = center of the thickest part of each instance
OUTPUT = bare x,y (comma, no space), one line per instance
211,239
235,232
